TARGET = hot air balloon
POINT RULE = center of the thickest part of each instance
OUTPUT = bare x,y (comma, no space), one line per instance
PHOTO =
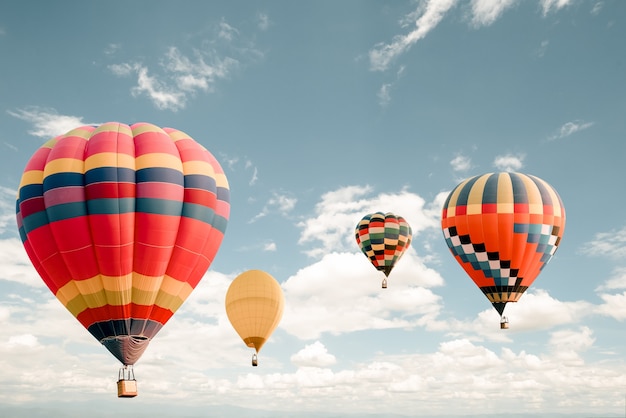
383,238
121,223
503,228
254,306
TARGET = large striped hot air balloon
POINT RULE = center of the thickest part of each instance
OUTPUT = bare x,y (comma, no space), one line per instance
121,222
383,238
503,228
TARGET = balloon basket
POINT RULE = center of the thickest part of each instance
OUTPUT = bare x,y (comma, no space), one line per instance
384,283
255,360
504,323
126,383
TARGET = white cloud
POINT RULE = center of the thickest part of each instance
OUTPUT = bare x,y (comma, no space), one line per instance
47,122
597,7
313,355
7,211
162,95
607,244
461,163
270,246
548,6
570,128
15,265
430,14
339,211
618,281
181,76
279,203
263,21
112,48
341,277
226,31
509,162
384,97
485,12
255,177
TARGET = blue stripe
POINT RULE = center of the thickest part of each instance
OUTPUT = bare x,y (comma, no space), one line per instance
490,192
29,191
223,194
545,194
465,191
110,174
520,194
113,206
64,179
159,206
200,181
66,210
34,221
161,175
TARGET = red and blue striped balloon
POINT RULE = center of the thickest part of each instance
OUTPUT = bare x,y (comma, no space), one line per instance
122,222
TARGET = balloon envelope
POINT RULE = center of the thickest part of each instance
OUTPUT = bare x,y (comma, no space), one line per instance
121,222
503,228
254,305
383,238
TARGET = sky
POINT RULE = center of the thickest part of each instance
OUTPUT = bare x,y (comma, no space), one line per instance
319,113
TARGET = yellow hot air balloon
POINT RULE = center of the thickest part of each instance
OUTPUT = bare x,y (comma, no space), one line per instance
254,305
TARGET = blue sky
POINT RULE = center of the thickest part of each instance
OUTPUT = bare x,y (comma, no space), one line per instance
321,112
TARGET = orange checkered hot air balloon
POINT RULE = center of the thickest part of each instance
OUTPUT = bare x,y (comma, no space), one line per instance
121,222
383,238
503,228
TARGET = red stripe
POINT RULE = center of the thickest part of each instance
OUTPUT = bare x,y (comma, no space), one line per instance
112,190
38,160
32,205
156,313
69,147
158,190
107,141
154,142
200,197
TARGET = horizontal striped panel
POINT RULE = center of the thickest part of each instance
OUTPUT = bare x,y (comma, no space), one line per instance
64,165
63,179
61,195
109,174
112,328
89,317
31,178
161,160
110,190
160,190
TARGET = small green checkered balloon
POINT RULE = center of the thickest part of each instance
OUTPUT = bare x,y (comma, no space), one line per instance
383,238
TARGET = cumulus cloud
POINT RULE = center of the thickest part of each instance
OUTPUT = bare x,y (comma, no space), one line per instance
339,211
461,163
509,162
340,277
313,355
